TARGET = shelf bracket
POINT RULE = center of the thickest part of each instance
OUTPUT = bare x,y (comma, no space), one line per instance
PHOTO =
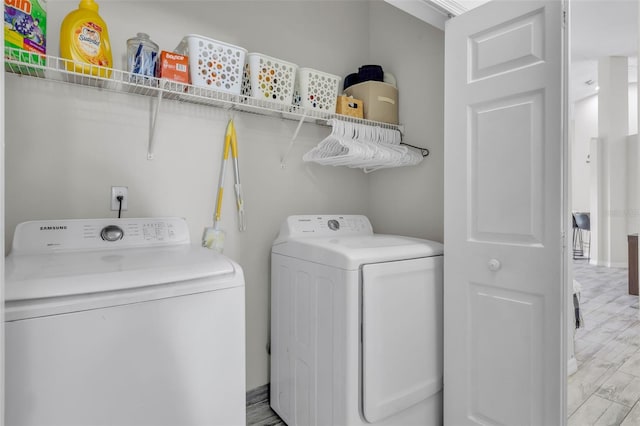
283,160
152,128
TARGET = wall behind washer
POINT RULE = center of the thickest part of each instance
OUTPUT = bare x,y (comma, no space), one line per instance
409,200
66,145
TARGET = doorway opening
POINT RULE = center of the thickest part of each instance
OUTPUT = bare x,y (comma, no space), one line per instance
604,386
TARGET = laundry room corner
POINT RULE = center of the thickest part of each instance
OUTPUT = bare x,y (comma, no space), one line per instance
409,200
68,144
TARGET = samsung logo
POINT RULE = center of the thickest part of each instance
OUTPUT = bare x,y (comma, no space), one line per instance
52,228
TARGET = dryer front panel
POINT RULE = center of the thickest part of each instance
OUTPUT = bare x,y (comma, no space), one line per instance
401,335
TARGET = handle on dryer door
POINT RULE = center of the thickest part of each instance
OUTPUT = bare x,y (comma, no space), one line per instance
494,265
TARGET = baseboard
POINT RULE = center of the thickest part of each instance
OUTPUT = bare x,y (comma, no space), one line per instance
596,262
258,394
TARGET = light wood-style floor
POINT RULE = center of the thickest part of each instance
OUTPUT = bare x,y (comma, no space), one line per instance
606,388
259,413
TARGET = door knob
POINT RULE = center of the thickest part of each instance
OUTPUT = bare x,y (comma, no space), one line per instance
494,265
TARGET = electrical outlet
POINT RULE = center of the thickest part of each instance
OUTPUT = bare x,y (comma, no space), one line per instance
115,192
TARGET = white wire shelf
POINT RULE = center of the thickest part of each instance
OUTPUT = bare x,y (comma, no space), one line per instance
63,70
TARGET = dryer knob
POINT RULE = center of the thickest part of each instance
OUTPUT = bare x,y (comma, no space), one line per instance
112,233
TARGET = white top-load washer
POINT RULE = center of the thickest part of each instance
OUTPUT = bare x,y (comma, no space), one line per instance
356,324
122,322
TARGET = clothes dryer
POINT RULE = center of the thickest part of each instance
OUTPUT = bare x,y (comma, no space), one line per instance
356,324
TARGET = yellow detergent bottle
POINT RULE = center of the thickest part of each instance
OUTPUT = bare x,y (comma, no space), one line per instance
84,39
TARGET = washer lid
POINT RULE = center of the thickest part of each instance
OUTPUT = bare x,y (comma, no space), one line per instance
350,252
56,274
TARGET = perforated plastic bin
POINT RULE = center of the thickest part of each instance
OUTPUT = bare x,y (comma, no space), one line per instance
213,64
316,90
269,78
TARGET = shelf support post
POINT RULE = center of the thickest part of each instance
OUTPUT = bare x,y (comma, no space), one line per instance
154,121
283,160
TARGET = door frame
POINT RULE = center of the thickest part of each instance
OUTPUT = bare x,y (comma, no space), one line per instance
2,124
567,251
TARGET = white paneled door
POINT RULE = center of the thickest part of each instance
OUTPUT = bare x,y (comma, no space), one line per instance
504,357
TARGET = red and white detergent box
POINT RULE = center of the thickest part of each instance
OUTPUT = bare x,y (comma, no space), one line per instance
174,66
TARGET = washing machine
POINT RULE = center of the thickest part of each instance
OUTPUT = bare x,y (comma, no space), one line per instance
121,322
356,325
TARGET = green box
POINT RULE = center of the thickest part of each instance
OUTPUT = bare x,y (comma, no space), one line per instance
25,31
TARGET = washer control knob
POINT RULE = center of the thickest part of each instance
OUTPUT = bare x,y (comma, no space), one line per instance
112,233
333,224
494,265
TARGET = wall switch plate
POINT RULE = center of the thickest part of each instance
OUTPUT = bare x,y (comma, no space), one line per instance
115,192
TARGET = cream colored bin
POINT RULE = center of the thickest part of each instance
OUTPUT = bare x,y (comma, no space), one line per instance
380,100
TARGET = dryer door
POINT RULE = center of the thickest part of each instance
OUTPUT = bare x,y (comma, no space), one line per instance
401,334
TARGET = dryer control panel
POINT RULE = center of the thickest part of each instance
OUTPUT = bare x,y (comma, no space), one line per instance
325,226
86,234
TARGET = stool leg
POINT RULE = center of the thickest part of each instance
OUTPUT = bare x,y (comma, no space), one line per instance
580,243
576,243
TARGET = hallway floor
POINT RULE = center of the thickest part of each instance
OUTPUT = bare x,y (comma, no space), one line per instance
606,388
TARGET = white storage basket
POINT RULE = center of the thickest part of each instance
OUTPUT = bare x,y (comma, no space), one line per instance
268,78
213,64
316,90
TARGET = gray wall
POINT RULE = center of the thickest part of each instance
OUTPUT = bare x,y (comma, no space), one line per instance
66,145
409,200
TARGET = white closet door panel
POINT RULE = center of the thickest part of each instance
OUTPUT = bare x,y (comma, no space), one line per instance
505,219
